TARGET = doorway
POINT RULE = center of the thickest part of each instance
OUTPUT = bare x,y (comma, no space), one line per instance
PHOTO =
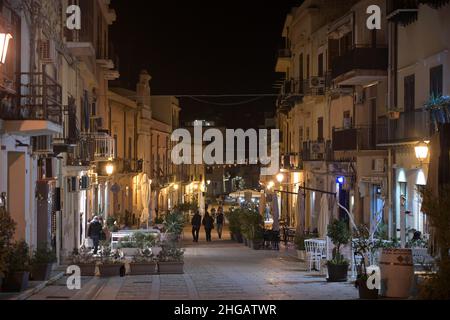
16,192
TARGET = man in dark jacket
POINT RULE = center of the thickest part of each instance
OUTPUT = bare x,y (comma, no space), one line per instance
94,231
196,224
219,222
208,223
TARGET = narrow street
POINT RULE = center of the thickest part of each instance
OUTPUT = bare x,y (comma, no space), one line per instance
221,270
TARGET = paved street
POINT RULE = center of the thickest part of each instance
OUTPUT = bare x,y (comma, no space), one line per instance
217,270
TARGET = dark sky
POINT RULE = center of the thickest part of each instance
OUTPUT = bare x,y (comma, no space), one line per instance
203,48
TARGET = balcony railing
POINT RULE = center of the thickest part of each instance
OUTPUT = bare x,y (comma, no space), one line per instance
360,58
317,151
39,98
410,126
92,147
353,139
402,11
292,161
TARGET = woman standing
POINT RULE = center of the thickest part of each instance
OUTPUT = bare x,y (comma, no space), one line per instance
208,223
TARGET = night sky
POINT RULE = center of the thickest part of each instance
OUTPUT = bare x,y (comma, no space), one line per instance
203,48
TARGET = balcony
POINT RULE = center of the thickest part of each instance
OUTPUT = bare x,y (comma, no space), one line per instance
360,66
284,60
403,12
37,108
409,127
92,147
317,151
292,162
354,139
435,4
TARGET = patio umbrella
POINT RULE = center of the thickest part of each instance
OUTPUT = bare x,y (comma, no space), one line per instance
201,203
275,213
301,211
145,198
324,217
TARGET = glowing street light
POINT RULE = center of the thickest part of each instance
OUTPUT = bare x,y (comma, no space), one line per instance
422,151
280,177
4,44
270,185
109,169
176,187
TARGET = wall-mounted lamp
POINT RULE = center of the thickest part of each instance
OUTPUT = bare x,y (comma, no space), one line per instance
4,44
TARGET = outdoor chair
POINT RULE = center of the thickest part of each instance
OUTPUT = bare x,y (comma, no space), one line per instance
315,252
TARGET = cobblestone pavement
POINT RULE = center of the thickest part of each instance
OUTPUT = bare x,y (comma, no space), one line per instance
215,271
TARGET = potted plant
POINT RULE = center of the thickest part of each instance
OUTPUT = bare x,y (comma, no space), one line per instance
128,246
365,248
42,263
7,228
173,225
18,268
170,259
144,263
339,234
299,242
85,260
111,261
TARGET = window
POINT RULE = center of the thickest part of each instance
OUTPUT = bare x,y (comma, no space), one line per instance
436,81
301,68
307,134
300,137
409,83
347,120
320,65
307,67
320,129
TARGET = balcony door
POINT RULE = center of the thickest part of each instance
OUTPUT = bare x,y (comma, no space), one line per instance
409,126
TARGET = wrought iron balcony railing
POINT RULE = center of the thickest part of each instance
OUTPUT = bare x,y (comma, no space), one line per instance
92,147
317,151
354,139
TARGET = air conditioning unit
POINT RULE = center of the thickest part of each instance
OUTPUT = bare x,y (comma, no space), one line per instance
85,183
47,51
42,145
317,82
378,165
73,184
318,147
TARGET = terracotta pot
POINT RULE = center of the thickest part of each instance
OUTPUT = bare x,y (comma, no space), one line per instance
337,273
364,292
41,272
87,269
171,267
143,268
110,270
16,281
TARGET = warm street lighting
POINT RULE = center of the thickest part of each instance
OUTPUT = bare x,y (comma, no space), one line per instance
109,169
270,185
4,43
208,182
421,150
176,186
280,177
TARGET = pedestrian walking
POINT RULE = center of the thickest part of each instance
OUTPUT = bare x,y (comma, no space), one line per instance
208,223
219,222
196,224
94,232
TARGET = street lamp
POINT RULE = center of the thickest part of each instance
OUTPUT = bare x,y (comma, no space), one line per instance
176,187
270,185
422,151
4,43
109,169
280,177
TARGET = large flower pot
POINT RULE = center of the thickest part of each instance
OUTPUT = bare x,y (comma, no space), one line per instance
41,272
16,281
171,267
364,292
130,252
110,270
87,269
143,268
337,272
397,273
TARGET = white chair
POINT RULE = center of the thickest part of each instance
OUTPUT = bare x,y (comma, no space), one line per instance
315,251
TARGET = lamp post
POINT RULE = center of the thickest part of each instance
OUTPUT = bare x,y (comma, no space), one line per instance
5,38
422,151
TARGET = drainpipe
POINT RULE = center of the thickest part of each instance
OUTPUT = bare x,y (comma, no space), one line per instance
59,184
390,210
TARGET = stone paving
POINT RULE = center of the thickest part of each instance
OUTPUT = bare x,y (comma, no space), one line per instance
221,270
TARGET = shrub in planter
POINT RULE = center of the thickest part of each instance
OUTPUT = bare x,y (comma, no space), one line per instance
18,268
144,263
170,259
42,263
299,242
174,223
111,262
233,217
7,228
84,259
340,235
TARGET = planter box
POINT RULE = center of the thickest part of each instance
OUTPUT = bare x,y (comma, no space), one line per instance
16,282
144,268
130,252
87,269
171,267
41,272
156,251
110,270
337,273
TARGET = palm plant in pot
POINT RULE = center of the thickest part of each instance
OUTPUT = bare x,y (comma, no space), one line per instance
128,246
170,259
144,263
339,234
84,259
173,225
7,228
42,263
111,261
18,268
364,247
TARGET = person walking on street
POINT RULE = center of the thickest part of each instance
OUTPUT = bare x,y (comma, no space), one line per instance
196,224
219,222
208,223
94,232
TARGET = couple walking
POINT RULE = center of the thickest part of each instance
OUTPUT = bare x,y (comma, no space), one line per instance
208,223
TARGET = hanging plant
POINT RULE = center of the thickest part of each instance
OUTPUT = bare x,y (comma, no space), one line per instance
439,107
